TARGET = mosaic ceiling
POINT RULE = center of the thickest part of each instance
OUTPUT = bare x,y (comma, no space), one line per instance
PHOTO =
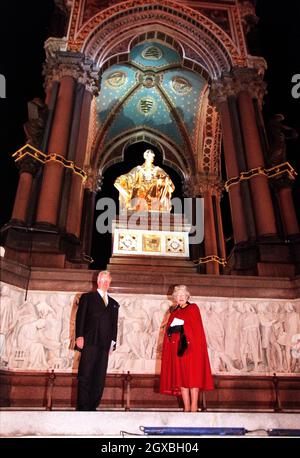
150,90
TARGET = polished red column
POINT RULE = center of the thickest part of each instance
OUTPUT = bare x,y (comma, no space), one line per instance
73,223
236,203
22,196
48,95
53,171
287,209
260,191
210,236
219,230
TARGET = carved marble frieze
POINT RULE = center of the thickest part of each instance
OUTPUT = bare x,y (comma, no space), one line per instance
244,336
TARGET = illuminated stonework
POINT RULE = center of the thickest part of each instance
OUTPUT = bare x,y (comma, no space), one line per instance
244,336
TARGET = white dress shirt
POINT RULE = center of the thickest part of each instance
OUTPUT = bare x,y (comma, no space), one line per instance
104,296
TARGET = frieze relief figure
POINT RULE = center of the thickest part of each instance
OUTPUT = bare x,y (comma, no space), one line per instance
215,335
292,328
33,340
158,321
269,337
250,336
135,346
8,317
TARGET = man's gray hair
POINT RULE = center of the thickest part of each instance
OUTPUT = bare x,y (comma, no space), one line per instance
104,272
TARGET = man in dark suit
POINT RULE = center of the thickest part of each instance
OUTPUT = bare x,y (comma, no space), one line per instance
96,336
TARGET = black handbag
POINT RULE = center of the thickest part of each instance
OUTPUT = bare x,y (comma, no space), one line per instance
182,344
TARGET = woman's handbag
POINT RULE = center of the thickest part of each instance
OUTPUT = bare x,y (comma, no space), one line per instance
182,344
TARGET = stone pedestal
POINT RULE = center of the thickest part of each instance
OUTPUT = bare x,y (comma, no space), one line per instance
262,258
151,234
42,246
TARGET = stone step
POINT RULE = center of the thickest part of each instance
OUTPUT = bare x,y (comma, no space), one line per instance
73,280
151,265
150,268
150,260
153,218
115,423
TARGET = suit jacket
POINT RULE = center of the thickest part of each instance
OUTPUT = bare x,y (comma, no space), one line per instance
95,321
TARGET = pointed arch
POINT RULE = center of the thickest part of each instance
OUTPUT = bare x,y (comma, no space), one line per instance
113,152
211,45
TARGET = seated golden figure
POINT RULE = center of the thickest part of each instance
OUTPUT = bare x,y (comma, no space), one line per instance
146,187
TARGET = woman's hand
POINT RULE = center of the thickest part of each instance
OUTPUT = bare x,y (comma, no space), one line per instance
80,342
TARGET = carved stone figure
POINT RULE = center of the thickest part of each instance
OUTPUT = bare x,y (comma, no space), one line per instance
250,336
268,326
215,335
292,328
278,133
34,127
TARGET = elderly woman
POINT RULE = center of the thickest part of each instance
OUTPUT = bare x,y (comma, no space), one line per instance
185,365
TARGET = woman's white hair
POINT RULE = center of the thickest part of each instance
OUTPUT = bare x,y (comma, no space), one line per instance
179,288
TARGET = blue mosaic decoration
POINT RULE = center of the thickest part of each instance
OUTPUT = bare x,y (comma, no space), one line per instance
156,115
154,55
148,91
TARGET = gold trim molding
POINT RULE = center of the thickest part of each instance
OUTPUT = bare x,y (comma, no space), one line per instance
34,153
273,172
211,258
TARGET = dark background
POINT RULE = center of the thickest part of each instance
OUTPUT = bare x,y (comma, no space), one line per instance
26,24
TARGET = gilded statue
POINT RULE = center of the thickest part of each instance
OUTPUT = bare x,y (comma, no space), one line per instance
146,187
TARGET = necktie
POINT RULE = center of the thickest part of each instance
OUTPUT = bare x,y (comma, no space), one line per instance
105,298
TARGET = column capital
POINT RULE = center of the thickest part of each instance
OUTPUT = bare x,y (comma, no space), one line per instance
238,80
206,184
53,44
282,181
188,187
94,179
249,80
221,89
60,63
28,164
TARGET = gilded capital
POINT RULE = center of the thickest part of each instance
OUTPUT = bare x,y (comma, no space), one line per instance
190,187
208,184
221,89
94,180
60,64
282,181
28,164
249,80
238,80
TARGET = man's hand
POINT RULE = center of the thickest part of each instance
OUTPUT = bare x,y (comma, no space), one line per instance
112,347
80,342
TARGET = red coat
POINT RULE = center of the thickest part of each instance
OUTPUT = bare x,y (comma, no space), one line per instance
192,370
